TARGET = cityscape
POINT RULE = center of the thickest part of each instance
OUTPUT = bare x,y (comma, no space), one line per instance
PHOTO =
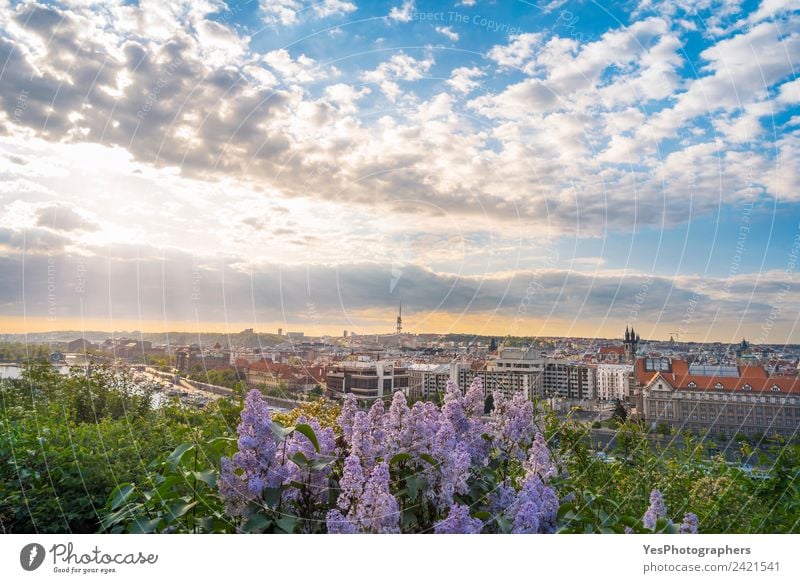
399,267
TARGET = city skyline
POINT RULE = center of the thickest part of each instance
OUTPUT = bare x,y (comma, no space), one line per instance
546,170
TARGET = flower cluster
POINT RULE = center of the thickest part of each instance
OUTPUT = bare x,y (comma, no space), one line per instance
398,468
658,509
267,460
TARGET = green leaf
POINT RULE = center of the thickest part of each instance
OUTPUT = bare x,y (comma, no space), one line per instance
400,457
300,459
430,459
321,462
504,524
257,523
181,508
286,523
412,486
177,454
279,431
120,495
272,496
207,477
145,526
308,431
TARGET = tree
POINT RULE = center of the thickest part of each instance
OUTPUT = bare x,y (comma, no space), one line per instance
488,404
619,412
493,345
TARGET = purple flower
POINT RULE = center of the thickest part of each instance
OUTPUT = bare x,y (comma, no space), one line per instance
474,399
377,510
501,498
458,521
656,510
535,509
512,424
363,443
338,524
539,460
689,524
397,424
347,416
352,483
252,468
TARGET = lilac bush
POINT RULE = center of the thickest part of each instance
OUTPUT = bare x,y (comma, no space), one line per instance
424,468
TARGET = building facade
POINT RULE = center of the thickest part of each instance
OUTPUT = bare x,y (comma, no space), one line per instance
366,380
722,400
614,381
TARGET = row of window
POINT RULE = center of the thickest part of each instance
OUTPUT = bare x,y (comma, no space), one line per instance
746,387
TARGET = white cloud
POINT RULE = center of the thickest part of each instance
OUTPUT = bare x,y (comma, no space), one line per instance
463,79
516,52
448,32
403,13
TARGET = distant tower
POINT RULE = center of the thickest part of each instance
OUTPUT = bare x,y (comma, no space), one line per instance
400,320
631,343
280,331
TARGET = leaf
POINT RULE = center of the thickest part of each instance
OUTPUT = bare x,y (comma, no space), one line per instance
272,496
504,524
412,486
120,495
181,508
207,477
308,431
400,457
430,459
286,523
279,431
257,523
300,459
177,454
321,462
483,515
145,526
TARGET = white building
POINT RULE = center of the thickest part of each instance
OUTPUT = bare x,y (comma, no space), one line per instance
613,382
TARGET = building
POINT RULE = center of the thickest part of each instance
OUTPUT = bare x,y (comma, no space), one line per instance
625,354
723,399
427,381
80,345
276,376
614,381
366,379
567,380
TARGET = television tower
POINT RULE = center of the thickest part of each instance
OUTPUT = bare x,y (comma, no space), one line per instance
400,320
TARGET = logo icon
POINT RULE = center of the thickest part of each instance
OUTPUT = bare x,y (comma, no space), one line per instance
31,556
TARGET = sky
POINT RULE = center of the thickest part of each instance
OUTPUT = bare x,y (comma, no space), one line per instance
545,168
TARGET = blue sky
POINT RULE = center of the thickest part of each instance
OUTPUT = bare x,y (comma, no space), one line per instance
494,165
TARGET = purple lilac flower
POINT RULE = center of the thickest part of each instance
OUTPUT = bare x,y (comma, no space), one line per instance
338,524
362,443
377,510
501,498
535,509
656,510
689,524
454,470
397,424
377,422
458,521
453,408
317,480
352,483
474,398
347,416
244,478
512,424
539,460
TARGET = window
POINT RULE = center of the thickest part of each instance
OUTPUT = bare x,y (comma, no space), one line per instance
719,386
692,385
747,387
776,389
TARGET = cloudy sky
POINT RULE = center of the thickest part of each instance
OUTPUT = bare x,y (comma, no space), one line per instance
550,168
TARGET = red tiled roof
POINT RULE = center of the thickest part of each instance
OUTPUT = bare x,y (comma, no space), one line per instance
754,376
612,350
